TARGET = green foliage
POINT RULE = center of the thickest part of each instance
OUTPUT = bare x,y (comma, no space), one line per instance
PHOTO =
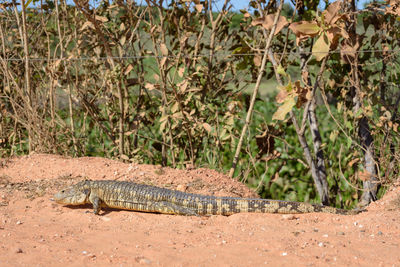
170,85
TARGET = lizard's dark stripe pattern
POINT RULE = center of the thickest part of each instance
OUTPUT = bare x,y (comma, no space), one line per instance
140,197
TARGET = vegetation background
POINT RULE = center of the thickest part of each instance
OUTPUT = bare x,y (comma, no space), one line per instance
299,103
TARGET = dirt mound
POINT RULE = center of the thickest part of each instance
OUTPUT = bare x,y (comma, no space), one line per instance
36,231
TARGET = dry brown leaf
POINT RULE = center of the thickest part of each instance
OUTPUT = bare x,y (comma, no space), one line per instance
364,175
304,30
183,86
122,40
331,13
282,95
181,71
164,49
207,127
149,86
303,94
351,163
102,19
87,24
304,76
199,7
268,21
257,60
349,48
128,69
162,61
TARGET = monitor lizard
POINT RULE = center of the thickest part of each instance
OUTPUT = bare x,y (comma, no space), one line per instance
147,198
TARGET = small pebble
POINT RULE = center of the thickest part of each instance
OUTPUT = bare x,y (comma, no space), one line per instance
284,253
321,244
181,187
144,261
18,250
289,217
380,233
106,219
19,222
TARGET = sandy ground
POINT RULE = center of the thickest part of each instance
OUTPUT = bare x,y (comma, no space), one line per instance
35,231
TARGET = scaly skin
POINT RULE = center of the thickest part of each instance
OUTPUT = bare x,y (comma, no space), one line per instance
146,198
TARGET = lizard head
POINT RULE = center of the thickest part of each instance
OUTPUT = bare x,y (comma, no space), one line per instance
74,195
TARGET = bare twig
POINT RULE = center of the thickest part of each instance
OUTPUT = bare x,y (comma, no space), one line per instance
255,91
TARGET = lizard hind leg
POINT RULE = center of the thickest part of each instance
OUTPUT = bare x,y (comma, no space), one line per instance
171,208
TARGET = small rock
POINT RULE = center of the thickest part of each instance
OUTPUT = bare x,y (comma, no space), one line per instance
321,244
84,252
340,233
289,217
18,250
181,187
190,166
19,222
143,260
325,235
284,253
106,219
380,233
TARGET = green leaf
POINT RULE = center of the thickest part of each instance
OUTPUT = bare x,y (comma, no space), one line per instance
281,70
333,136
349,142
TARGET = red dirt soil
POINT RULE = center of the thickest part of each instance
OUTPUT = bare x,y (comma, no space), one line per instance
35,231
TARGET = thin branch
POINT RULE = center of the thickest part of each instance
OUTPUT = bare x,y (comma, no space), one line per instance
255,91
